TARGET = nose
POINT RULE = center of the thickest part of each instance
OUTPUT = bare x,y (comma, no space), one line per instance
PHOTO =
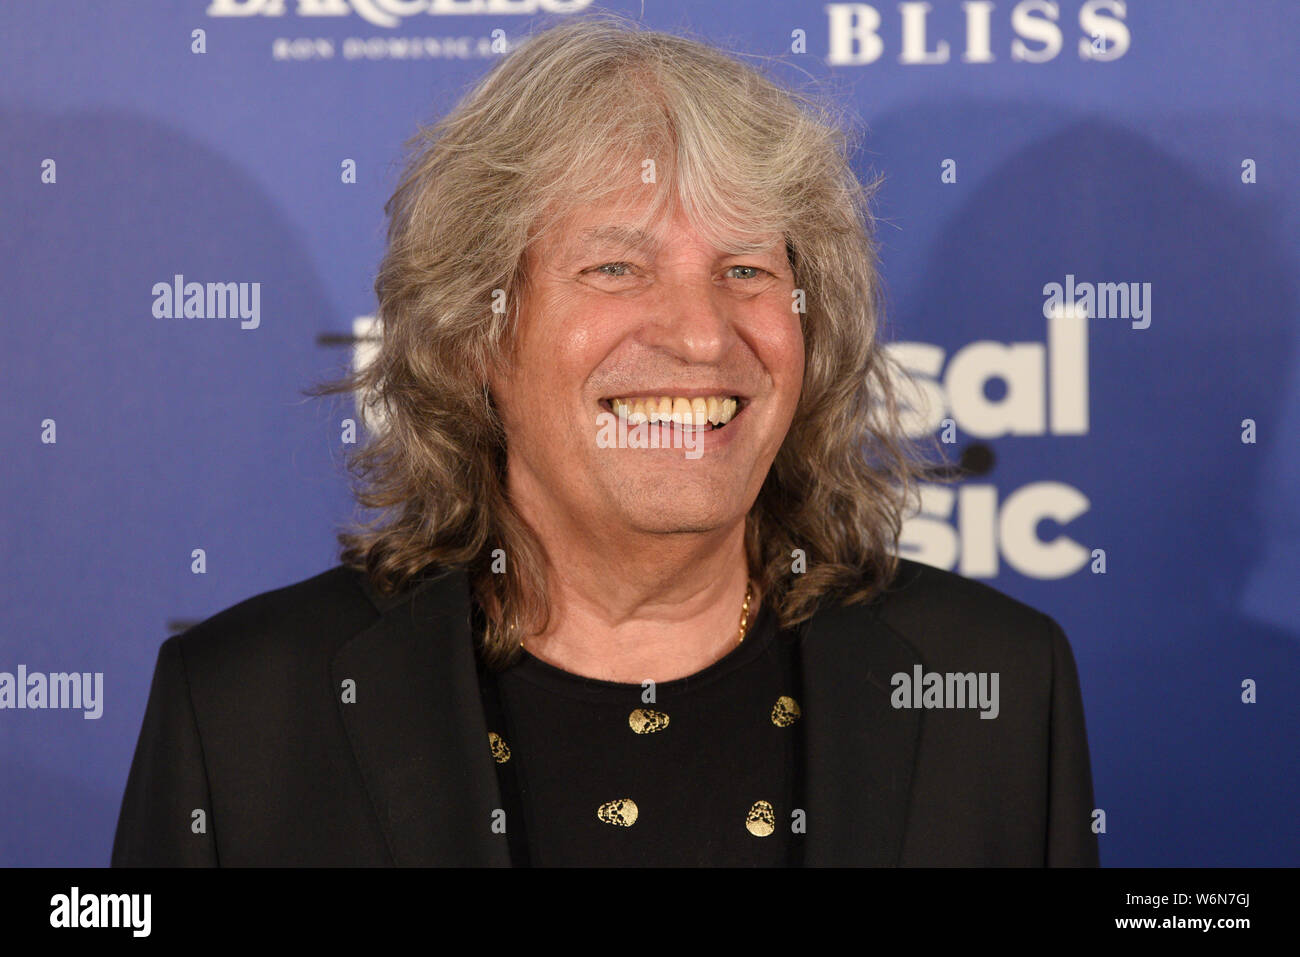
692,320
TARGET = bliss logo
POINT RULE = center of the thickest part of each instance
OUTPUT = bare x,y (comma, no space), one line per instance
389,13
855,33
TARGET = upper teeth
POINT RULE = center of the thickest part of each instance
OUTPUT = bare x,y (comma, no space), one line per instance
714,409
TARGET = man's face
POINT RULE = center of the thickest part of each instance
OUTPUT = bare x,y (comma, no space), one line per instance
646,317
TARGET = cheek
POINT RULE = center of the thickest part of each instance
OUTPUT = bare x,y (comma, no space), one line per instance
568,343
797,350
577,347
783,351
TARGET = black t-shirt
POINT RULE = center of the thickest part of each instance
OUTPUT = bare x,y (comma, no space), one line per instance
604,774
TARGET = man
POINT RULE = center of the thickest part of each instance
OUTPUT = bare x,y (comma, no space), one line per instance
631,597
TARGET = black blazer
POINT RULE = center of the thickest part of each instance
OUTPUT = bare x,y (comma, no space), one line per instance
246,722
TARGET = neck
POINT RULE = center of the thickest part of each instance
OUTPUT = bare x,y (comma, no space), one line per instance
630,607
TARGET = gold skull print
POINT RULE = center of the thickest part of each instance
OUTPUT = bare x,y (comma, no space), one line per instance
645,721
761,819
620,813
785,712
500,752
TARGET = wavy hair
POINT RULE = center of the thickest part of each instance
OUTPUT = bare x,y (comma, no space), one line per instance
536,137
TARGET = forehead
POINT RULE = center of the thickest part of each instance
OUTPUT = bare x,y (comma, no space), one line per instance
629,217
580,238
618,224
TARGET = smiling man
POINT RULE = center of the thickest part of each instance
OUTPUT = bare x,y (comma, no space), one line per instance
688,644
671,333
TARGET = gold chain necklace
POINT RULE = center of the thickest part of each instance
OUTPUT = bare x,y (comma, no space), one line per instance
744,611
744,614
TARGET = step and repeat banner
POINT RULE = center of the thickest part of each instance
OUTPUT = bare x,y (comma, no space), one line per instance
1088,225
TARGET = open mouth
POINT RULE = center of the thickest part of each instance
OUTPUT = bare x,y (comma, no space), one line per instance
694,414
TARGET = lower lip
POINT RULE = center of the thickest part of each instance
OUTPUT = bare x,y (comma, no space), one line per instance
674,439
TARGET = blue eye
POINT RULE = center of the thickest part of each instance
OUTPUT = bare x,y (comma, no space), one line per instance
605,269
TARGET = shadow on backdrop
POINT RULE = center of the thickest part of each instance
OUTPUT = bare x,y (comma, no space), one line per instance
1186,773
172,434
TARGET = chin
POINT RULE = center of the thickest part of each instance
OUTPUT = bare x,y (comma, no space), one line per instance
678,527
670,517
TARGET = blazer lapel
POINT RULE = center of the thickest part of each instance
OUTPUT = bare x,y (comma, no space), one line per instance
418,730
420,736
859,749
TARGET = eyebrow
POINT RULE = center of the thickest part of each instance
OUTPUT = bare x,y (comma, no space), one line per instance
623,236
614,235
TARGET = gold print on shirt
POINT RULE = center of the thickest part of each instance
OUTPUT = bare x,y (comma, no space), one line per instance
499,749
620,813
645,721
761,819
785,712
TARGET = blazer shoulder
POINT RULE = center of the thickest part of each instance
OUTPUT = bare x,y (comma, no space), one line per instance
926,591
306,618
941,612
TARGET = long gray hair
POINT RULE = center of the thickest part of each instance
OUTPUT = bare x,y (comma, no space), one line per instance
538,135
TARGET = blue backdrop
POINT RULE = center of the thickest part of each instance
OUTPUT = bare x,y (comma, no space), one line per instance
1150,143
